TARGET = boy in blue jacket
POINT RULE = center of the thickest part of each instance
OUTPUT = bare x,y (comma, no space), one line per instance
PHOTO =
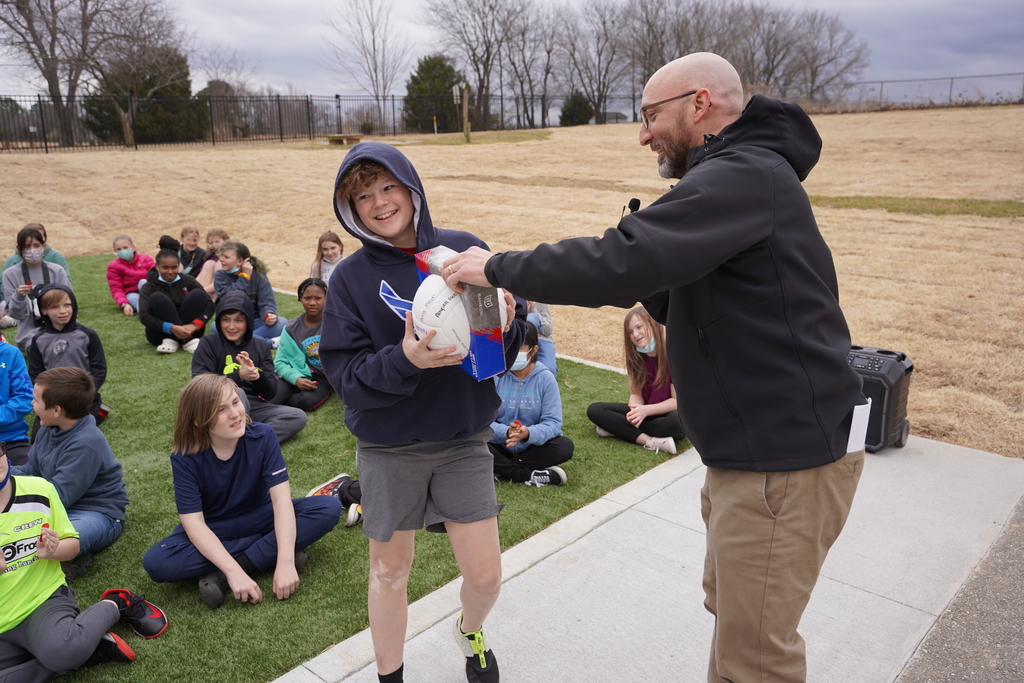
15,402
528,444
71,453
421,422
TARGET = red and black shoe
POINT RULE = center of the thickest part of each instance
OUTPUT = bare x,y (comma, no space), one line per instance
111,648
145,618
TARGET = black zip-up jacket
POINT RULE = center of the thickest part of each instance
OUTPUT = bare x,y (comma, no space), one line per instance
732,262
175,291
75,345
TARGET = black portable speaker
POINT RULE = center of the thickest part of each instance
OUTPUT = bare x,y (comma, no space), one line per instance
886,376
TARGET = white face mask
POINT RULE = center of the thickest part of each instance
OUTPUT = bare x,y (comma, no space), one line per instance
32,256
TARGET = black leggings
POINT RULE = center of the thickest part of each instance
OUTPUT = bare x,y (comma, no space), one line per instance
612,417
520,466
163,309
290,395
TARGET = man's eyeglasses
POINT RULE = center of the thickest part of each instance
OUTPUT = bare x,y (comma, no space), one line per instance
643,110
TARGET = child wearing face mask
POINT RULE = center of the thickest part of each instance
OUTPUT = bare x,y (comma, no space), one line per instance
126,273
528,444
20,280
650,418
173,306
50,255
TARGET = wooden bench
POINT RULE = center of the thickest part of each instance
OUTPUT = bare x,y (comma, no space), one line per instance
343,139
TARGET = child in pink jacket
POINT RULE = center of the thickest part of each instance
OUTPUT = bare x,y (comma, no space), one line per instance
126,272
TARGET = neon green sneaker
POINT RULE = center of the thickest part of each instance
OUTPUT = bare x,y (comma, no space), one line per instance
481,666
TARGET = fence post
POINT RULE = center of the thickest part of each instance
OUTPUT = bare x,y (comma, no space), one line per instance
950,103
881,87
309,114
213,128
280,120
42,123
337,109
394,120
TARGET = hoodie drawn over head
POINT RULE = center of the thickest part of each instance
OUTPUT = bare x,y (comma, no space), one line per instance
74,345
388,400
216,353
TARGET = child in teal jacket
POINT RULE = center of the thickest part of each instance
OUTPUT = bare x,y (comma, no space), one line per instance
298,354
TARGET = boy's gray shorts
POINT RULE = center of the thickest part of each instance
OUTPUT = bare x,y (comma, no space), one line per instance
404,485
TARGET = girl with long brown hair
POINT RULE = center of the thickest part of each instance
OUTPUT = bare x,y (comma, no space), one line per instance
649,418
329,251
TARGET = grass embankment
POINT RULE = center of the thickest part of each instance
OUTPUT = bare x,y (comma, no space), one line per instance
245,643
926,205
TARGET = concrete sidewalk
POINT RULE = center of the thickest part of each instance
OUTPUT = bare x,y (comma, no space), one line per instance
613,591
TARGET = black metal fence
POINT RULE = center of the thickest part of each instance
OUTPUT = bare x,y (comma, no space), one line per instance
37,123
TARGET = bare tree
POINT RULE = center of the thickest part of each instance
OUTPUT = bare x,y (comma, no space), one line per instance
595,52
476,31
228,72
145,52
369,51
764,47
830,55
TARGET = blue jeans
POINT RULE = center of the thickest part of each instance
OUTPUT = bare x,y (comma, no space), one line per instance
95,530
261,330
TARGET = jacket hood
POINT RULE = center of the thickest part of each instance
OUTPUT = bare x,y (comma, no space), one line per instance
235,301
400,167
782,127
72,323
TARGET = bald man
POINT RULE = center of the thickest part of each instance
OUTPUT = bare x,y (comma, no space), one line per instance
731,261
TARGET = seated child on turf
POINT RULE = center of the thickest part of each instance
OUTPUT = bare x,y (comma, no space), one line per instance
421,422
649,418
301,380
42,632
71,453
20,282
63,342
234,501
173,307
242,272
126,272
15,403
329,251
528,444
232,350
214,239
191,255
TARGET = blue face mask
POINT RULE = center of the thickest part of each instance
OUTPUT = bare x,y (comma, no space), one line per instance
522,360
232,271
126,254
170,282
646,349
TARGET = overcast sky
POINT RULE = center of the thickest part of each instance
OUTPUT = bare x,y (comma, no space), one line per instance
907,38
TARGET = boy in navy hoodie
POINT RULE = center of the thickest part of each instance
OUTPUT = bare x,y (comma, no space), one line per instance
73,455
64,342
421,422
232,350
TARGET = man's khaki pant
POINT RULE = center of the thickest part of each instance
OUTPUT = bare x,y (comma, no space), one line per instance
768,534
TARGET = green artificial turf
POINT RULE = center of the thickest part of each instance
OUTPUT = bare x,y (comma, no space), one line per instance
244,642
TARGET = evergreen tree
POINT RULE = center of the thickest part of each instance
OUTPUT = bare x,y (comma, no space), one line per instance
429,94
576,110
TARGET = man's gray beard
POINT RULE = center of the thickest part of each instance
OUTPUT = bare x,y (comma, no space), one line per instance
674,168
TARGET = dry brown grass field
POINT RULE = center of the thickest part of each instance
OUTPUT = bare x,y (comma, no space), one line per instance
947,290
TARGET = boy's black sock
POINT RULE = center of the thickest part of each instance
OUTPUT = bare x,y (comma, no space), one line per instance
350,493
393,677
246,564
117,600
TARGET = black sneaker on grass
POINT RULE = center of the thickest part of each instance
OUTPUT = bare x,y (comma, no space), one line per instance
213,587
552,475
145,618
481,665
111,648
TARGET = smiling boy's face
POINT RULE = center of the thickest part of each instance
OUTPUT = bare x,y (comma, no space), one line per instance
385,207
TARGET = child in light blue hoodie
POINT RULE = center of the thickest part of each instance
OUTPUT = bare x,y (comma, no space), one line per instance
528,444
